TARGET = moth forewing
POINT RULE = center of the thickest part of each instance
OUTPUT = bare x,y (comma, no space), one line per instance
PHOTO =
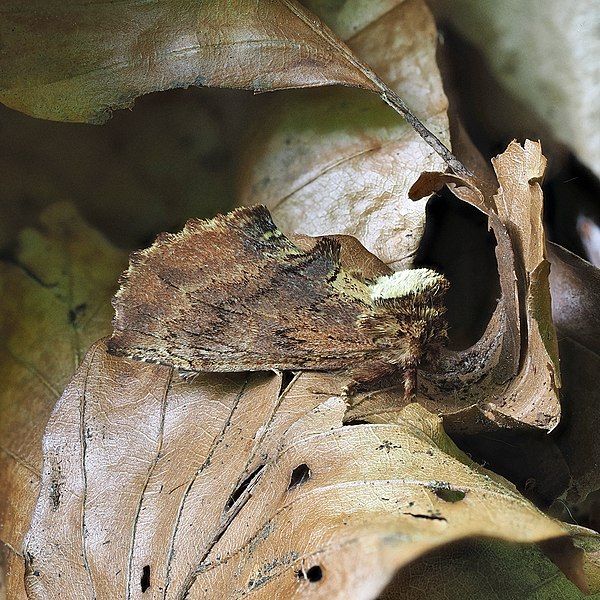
234,294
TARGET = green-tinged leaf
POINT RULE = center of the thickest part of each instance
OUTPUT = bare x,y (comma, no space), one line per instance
481,570
55,302
97,56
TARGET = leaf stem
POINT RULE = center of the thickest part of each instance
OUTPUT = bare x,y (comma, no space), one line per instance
392,99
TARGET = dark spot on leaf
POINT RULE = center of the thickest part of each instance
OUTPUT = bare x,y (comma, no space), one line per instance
299,475
145,580
74,313
36,573
388,446
445,492
243,486
55,494
430,517
353,422
314,574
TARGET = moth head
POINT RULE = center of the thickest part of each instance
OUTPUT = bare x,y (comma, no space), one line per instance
425,285
408,305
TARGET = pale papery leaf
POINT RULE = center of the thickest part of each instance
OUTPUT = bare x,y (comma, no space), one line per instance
228,486
338,161
544,54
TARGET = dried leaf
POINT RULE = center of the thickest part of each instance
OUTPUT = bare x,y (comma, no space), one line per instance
54,305
575,288
510,377
229,486
519,202
102,56
338,161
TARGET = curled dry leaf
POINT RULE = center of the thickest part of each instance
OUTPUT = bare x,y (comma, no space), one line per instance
510,377
338,161
54,305
575,286
98,57
228,486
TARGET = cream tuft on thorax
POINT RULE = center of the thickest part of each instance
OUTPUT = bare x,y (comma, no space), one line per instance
403,283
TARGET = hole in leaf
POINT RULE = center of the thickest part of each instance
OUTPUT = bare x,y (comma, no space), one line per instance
299,475
447,493
145,580
353,422
286,378
314,574
243,487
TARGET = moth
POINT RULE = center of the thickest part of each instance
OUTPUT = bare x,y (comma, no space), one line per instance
235,294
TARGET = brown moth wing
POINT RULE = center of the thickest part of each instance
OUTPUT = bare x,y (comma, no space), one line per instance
234,294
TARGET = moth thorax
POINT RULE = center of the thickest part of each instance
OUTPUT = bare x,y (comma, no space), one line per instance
418,286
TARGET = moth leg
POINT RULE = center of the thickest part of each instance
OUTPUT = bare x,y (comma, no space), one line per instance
370,376
410,382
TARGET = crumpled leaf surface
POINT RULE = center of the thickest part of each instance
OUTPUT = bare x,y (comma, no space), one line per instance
339,161
98,56
327,510
546,55
510,377
54,305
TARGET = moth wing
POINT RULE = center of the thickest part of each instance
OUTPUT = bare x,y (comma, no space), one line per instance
234,294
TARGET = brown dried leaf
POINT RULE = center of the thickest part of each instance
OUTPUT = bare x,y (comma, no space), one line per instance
54,305
338,161
229,486
510,377
519,203
99,56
